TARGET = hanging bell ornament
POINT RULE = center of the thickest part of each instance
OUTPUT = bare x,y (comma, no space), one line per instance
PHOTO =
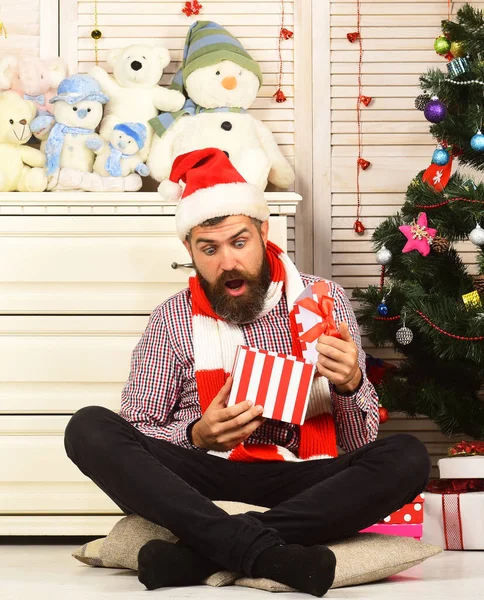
96,34
435,111
442,45
477,142
422,101
365,100
476,236
404,335
384,256
359,227
383,412
364,164
457,49
440,157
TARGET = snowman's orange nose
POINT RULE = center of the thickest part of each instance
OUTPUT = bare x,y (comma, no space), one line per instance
229,83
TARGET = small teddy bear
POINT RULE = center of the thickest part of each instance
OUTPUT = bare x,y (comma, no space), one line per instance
133,90
33,79
121,156
16,159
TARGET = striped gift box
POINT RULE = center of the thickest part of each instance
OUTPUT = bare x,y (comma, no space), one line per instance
279,382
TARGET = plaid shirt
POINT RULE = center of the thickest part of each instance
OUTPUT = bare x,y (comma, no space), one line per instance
160,397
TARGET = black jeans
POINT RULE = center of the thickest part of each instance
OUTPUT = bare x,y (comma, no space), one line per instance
311,502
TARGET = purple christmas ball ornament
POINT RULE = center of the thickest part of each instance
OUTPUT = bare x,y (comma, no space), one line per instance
435,111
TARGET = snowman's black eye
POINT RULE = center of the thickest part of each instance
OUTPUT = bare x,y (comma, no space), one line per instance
217,73
11,121
74,108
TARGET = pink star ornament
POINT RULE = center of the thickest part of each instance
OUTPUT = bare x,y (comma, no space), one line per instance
419,236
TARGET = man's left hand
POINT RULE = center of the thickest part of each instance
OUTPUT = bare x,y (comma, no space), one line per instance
338,360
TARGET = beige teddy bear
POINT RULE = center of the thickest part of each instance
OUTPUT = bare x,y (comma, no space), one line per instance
16,159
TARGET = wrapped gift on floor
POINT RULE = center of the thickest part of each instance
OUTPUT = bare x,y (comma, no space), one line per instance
279,382
413,531
454,505
410,514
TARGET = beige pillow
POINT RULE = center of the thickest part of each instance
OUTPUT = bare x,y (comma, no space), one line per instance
360,559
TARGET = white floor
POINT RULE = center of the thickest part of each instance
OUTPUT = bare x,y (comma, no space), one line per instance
48,572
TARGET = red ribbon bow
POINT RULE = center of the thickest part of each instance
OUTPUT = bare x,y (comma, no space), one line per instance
286,33
324,309
466,449
455,486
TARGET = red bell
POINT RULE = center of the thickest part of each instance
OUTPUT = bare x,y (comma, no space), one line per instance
352,37
383,412
364,164
365,99
286,33
279,96
358,227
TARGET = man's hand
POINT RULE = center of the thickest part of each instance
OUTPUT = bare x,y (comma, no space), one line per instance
222,428
338,360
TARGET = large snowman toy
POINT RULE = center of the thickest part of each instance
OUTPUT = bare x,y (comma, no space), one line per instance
221,82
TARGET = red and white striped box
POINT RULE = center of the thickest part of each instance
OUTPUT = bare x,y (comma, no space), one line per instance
279,382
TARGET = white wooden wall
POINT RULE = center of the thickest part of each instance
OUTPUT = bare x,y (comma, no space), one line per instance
32,27
398,38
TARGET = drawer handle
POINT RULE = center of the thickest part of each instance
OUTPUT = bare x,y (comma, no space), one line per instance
175,265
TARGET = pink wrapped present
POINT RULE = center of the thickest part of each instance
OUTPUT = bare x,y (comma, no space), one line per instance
279,382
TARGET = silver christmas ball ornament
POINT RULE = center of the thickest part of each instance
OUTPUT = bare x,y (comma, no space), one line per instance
383,256
477,236
404,336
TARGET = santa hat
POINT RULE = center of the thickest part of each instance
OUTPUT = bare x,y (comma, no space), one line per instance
214,188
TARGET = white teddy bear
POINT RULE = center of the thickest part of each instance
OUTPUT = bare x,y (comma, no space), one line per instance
78,111
134,93
121,156
222,82
16,159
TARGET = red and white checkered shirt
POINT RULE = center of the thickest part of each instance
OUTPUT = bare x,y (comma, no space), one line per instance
160,397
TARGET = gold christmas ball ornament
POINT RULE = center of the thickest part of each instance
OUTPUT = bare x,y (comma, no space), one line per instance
96,34
457,49
442,45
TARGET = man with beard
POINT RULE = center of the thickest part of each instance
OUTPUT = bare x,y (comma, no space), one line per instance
176,446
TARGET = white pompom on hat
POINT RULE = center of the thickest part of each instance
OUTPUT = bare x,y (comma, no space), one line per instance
214,188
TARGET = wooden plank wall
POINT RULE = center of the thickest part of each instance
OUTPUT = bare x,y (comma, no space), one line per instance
22,22
398,42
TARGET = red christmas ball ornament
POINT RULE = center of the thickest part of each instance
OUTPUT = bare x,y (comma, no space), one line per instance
352,37
383,412
365,100
364,164
359,227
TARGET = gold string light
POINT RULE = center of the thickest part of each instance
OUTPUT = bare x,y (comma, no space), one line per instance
96,33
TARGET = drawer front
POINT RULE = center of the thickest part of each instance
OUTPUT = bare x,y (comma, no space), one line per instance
56,364
98,264
37,477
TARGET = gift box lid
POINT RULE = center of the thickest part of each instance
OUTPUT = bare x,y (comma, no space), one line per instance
461,467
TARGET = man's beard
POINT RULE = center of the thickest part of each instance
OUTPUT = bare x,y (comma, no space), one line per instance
239,309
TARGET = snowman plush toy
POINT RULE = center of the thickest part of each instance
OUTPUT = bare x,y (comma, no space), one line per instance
221,81
78,111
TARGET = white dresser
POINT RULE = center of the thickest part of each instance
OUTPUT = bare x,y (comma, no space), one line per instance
79,276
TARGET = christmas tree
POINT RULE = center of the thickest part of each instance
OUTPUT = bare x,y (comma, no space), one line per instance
429,306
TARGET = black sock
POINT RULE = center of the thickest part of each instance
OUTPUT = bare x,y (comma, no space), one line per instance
309,570
162,564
